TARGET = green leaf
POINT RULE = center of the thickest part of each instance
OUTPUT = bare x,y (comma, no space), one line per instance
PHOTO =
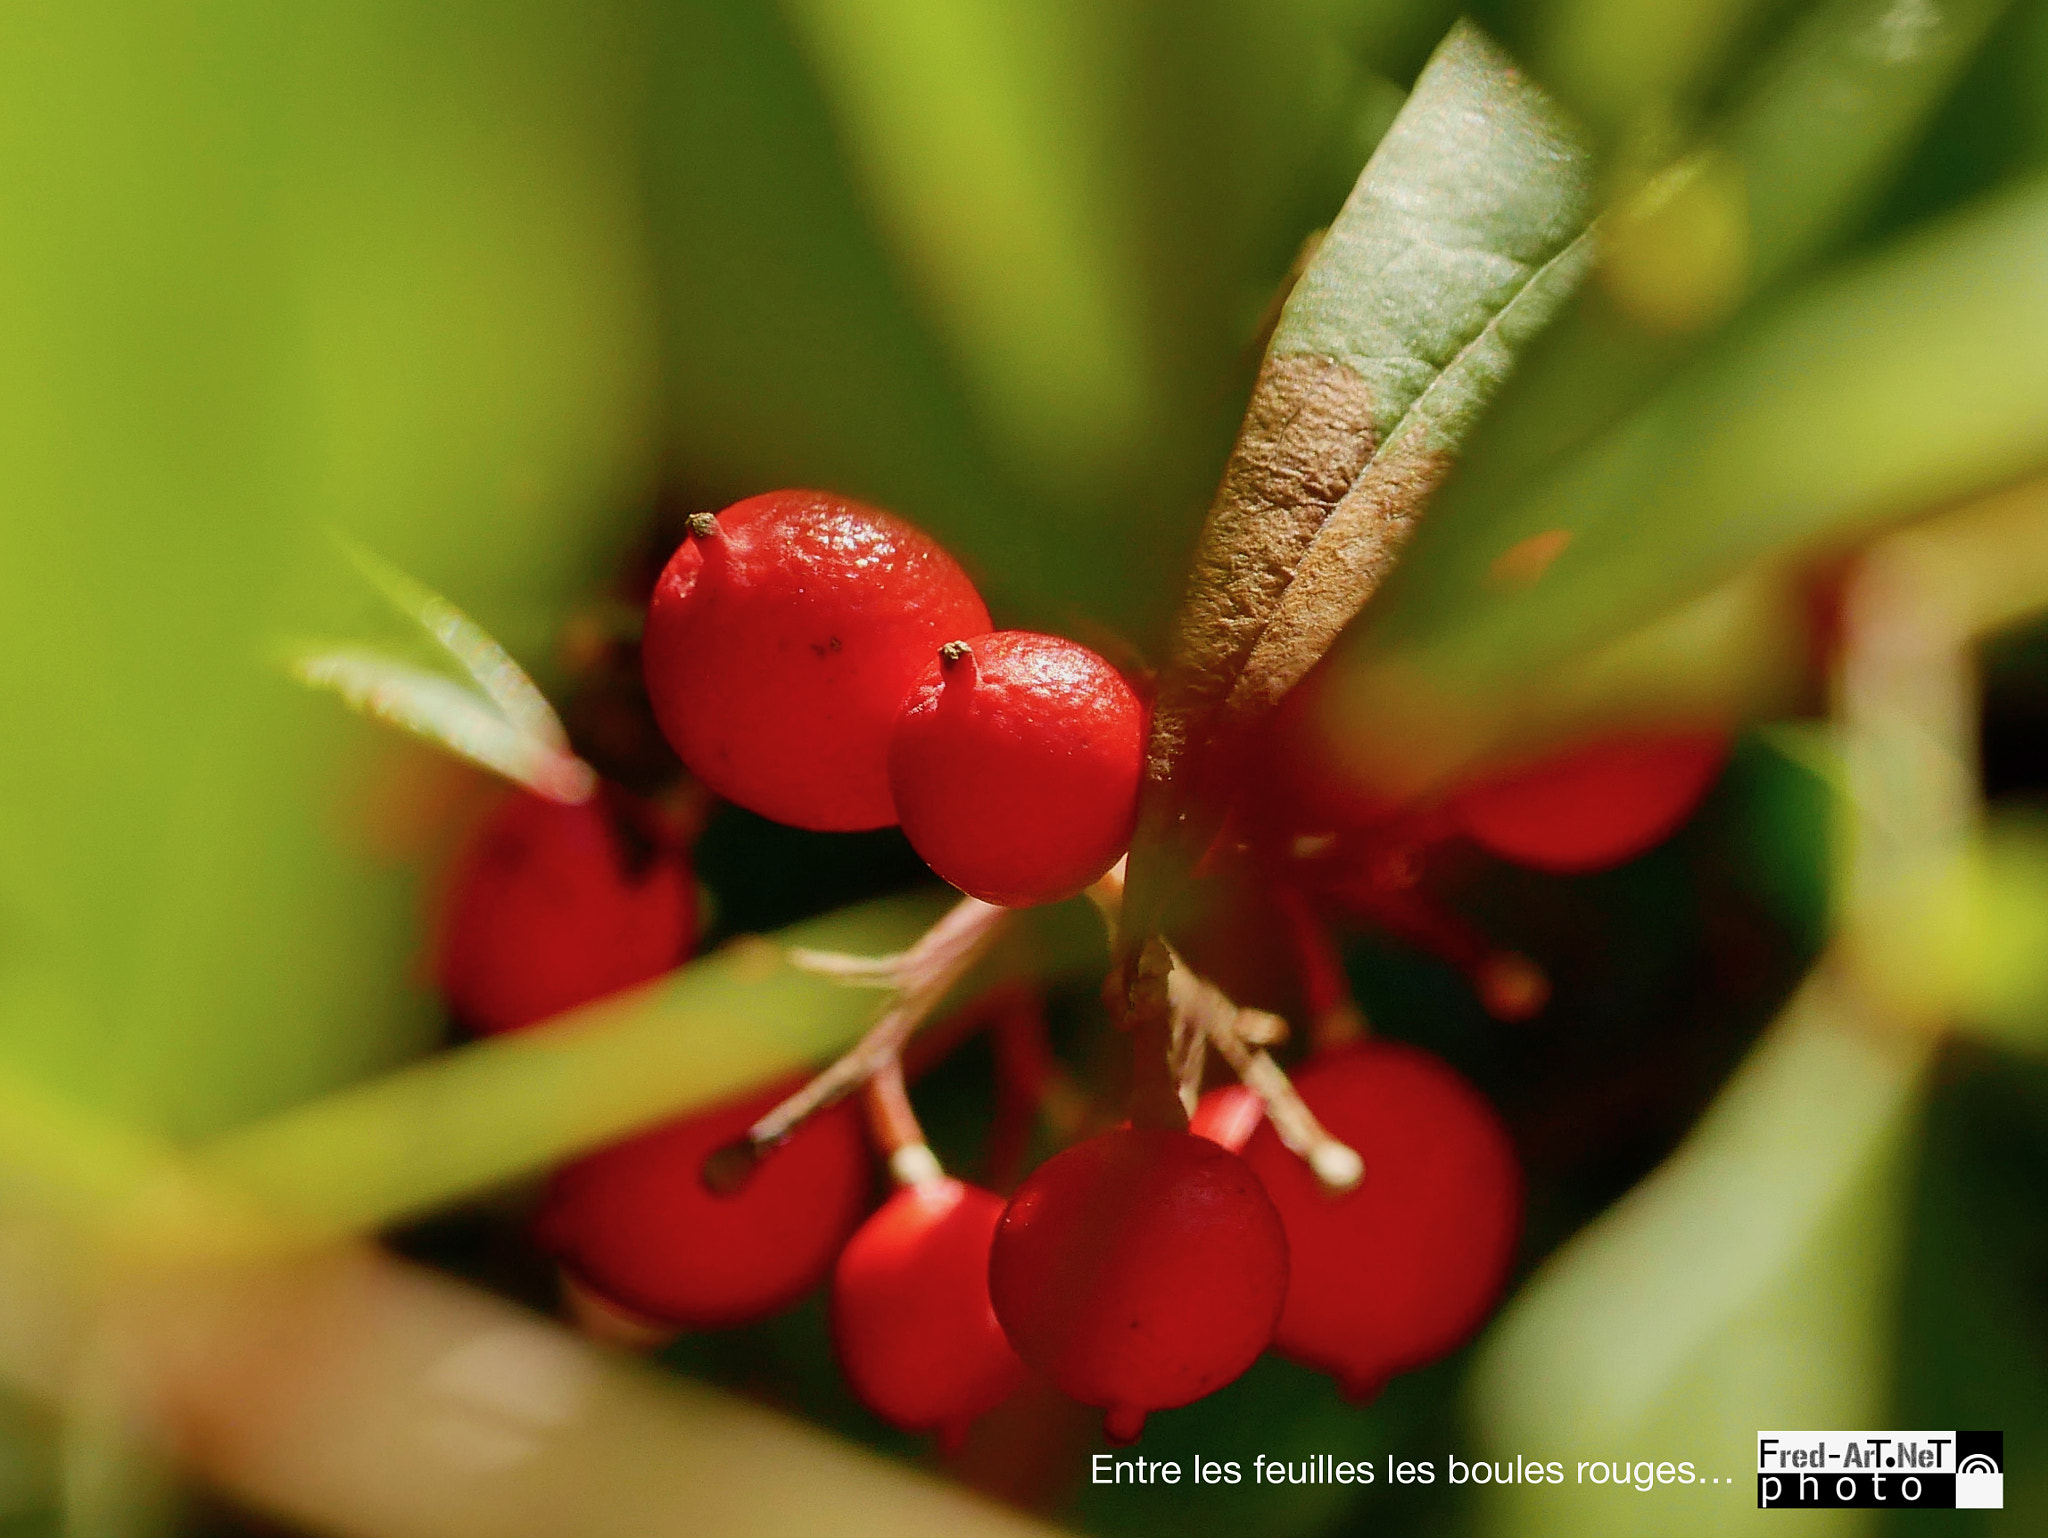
362,267
1982,946
1918,377
437,709
1634,67
1747,1282
1831,112
968,123
500,721
1770,187
472,648
459,1123
1462,237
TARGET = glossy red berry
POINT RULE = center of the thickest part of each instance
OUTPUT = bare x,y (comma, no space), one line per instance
780,642
911,1317
1015,766
1404,1266
637,1223
1140,1270
1596,806
553,906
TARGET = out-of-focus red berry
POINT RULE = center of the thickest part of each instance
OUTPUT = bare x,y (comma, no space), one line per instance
1140,1270
553,906
1593,807
1404,1266
781,640
637,1223
1015,766
1227,1116
916,1334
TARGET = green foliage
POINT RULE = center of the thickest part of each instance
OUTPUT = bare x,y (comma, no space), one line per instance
470,282
1747,1281
358,267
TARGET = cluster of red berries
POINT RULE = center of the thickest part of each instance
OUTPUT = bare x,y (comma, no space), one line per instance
826,665
1143,1269
1139,1270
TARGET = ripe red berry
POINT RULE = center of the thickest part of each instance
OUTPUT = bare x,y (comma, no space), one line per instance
1139,1270
1596,806
1227,1116
780,642
637,1223
1015,766
554,906
1404,1266
911,1317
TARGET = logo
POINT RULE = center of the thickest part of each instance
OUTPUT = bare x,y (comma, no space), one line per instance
1980,1470
1942,1470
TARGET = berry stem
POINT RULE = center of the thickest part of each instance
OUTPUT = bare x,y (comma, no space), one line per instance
1509,984
1219,1018
923,976
1334,1018
1196,1007
1157,1047
1335,1164
1030,1085
895,1127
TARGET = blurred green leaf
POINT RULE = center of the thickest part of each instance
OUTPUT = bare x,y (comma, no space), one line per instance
968,122
467,644
1784,785
1747,1283
1774,183
1985,941
1917,377
797,355
1971,1345
366,267
462,1122
459,1123
1632,67
1833,110
1460,240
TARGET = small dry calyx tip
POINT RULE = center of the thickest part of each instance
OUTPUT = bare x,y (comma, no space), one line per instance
702,526
728,1169
956,661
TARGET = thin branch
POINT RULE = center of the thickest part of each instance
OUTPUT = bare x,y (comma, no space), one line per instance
1217,1016
923,975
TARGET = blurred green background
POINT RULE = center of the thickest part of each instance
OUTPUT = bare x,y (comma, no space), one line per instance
487,286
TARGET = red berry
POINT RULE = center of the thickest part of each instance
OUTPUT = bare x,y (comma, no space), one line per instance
781,640
1404,1266
1227,1116
552,907
1139,1270
1015,766
1596,806
638,1224
916,1333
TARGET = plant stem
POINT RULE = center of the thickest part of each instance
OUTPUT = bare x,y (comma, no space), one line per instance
1217,1016
925,974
